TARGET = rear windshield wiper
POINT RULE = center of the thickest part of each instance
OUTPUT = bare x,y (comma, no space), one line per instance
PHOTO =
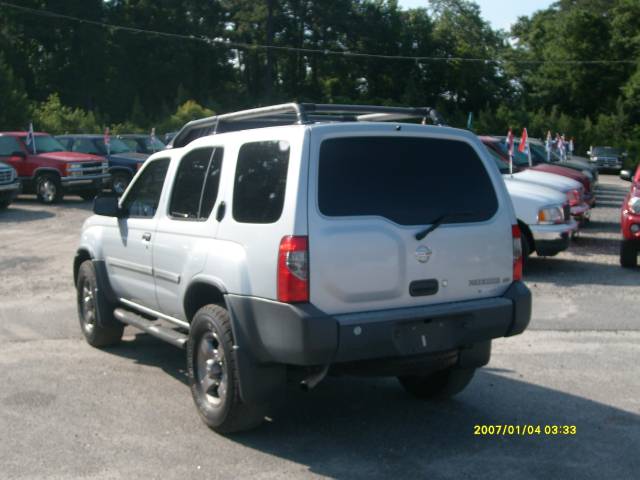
439,221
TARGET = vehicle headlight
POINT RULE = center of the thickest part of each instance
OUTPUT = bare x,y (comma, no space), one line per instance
551,215
74,169
634,205
594,159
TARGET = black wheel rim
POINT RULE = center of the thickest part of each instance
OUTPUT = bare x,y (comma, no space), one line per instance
211,369
88,306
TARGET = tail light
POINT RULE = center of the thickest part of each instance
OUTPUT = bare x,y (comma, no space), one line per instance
574,197
517,252
293,270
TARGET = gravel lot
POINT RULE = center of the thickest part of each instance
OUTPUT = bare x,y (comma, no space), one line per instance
70,411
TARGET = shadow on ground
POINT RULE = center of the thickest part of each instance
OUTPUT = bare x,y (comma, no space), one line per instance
16,214
352,428
70,201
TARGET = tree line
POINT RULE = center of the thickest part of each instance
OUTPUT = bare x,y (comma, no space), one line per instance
68,75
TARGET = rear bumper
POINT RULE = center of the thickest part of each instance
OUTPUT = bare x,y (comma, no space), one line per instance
552,239
269,332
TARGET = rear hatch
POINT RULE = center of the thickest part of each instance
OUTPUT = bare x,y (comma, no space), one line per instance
373,188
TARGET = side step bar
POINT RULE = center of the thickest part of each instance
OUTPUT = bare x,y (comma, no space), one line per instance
168,335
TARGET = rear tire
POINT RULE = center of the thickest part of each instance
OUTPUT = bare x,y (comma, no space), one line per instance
213,374
95,312
629,254
48,188
439,385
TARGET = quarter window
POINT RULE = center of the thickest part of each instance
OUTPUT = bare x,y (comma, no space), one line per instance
196,185
261,177
144,196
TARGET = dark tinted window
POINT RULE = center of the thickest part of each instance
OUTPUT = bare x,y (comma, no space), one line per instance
9,145
261,177
142,200
411,181
193,197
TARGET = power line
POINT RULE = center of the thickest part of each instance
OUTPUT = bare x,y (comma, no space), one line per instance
314,51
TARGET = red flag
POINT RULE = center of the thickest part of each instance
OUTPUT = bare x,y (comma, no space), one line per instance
524,142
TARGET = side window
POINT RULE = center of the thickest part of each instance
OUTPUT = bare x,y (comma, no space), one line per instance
8,145
196,185
132,144
144,196
261,177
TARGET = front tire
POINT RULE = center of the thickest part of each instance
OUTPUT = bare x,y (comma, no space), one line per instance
49,188
629,254
95,312
439,385
213,374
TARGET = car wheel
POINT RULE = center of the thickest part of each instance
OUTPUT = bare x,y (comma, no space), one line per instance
120,182
213,375
95,313
48,188
628,254
438,385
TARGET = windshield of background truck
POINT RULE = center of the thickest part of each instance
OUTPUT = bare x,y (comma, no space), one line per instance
44,144
605,151
115,146
407,180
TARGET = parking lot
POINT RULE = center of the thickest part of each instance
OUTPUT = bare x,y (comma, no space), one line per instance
70,411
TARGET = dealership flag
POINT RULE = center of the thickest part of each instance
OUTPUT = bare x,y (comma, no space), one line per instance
547,145
107,141
510,145
523,147
31,139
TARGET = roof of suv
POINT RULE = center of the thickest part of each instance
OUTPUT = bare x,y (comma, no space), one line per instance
299,114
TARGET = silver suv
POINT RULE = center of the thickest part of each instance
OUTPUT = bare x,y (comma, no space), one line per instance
283,243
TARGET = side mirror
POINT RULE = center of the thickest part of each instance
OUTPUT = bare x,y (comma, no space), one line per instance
107,206
20,154
625,175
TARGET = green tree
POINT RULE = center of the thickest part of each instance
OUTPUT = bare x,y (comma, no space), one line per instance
15,110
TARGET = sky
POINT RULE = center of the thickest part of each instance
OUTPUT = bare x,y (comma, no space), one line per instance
500,13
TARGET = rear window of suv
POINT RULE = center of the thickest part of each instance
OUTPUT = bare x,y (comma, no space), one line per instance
408,180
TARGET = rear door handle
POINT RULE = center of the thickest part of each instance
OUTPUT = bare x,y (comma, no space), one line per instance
146,236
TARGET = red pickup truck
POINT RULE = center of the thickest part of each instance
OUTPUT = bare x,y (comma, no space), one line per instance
630,221
49,171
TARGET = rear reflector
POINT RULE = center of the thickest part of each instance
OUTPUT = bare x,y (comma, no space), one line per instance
517,252
293,270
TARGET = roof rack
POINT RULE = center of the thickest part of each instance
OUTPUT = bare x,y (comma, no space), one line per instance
299,114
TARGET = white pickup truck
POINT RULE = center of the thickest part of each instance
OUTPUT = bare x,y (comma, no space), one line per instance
543,213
